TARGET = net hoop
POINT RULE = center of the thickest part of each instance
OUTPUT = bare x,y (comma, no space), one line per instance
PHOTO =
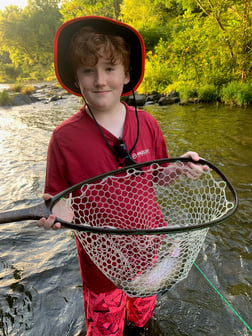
150,231
144,225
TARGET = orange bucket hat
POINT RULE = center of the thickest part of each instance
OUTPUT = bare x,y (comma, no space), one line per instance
64,34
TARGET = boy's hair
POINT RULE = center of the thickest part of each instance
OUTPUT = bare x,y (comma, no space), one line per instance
88,45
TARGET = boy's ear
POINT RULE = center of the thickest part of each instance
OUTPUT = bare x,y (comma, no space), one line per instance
127,77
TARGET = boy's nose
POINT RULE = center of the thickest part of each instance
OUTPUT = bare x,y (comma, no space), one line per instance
100,78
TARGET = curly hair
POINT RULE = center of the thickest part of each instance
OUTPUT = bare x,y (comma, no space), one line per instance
88,45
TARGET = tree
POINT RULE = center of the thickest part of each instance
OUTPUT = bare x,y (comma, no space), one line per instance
211,41
74,8
232,19
199,41
28,34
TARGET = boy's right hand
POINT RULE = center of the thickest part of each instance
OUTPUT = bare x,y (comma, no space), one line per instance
61,210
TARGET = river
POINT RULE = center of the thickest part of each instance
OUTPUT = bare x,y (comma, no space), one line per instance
40,285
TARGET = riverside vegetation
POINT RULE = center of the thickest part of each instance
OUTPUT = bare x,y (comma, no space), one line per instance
198,48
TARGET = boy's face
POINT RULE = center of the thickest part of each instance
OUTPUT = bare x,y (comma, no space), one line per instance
102,84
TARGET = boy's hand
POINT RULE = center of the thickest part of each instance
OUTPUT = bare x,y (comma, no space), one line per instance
194,170
60,210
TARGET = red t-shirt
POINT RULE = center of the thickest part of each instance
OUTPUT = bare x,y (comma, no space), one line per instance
77,151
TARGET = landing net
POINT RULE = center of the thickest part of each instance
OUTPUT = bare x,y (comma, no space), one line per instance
156,197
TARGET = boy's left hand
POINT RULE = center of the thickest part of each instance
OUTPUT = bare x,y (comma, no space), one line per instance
194,170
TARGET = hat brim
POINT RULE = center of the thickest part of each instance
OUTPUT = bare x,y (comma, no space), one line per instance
63,68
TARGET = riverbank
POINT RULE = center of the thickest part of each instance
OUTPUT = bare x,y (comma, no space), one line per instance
19,95
238,94
50,92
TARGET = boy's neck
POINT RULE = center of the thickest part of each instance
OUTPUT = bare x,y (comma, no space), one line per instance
113,120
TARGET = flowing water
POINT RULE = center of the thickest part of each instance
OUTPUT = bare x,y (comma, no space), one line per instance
40,285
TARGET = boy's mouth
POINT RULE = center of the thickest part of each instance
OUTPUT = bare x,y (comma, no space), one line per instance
102,91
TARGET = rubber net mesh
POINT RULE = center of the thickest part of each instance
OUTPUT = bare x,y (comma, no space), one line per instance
143,265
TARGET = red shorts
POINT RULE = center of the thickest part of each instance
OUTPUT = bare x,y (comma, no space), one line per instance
105,312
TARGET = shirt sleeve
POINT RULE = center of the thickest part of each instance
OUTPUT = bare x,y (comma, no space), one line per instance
159,143
161,148
56,170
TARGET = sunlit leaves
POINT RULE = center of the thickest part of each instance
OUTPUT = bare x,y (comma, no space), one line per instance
205,41
74,8
27,35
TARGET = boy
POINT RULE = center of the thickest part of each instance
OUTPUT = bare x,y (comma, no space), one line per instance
101,59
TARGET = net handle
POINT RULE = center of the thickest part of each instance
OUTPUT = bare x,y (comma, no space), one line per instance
176,229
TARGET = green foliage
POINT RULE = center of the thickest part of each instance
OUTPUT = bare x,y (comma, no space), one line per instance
27,36
28,89
21,88
197,47
158,74
75,8
186,89
141,14
208,93
4,98
17,87
8,72
152,36
237,94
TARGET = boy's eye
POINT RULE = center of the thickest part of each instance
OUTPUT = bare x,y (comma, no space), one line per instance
87,70
110,68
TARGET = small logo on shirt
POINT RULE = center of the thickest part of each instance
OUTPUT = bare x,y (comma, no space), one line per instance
141,153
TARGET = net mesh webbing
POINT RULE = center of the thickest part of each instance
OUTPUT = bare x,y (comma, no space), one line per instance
143,265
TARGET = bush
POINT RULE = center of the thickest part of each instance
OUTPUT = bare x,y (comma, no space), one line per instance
27,90
17,87
158,70
208,93
157,74
152,36
237,94
186,90
4,98
20,88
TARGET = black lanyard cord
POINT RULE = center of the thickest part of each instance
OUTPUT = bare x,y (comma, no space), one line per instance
137,118
100,129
